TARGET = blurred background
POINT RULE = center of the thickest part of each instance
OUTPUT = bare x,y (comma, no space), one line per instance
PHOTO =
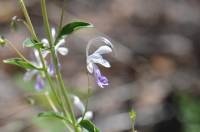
155,67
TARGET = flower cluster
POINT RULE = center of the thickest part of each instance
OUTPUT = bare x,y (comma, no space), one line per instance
46,68
59,48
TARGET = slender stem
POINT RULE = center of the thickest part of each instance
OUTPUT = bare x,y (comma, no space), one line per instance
25,23
48,77
28,20
64,90
34,36
49,36
46,22
55,61
51,102
88,94
16,50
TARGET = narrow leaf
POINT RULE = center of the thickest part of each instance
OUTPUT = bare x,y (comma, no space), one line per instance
51,114
88,125
71,27
20,62
29,43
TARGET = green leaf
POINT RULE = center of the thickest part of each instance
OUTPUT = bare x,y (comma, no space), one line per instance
71,27
29,43
88,125
20,62
51,114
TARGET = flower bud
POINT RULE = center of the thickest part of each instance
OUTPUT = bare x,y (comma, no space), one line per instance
2,41
13,23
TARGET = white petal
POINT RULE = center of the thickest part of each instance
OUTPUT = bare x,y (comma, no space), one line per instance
60,43
45,42
78,103
103,50
97,58
53,32
37,56
63,50
29,75
90,67
88,115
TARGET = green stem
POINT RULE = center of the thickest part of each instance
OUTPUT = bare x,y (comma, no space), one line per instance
50,82
88,94
50,102
64,90
16,50
55,61
28,20
34,36
50,39
46,22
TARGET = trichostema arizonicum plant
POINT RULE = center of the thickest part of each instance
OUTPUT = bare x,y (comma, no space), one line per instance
45,68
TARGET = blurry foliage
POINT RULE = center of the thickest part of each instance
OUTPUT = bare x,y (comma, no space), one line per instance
46,124
49,124
189,112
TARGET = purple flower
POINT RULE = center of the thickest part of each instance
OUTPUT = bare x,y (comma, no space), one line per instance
40,83
51,68
100,79
96,58
59,47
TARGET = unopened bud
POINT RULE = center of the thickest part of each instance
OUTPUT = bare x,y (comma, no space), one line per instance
2,41
13,23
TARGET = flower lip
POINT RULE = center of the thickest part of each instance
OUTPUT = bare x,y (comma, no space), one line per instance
39,83
100,79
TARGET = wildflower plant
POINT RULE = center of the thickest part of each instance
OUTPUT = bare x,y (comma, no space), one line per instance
47,72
